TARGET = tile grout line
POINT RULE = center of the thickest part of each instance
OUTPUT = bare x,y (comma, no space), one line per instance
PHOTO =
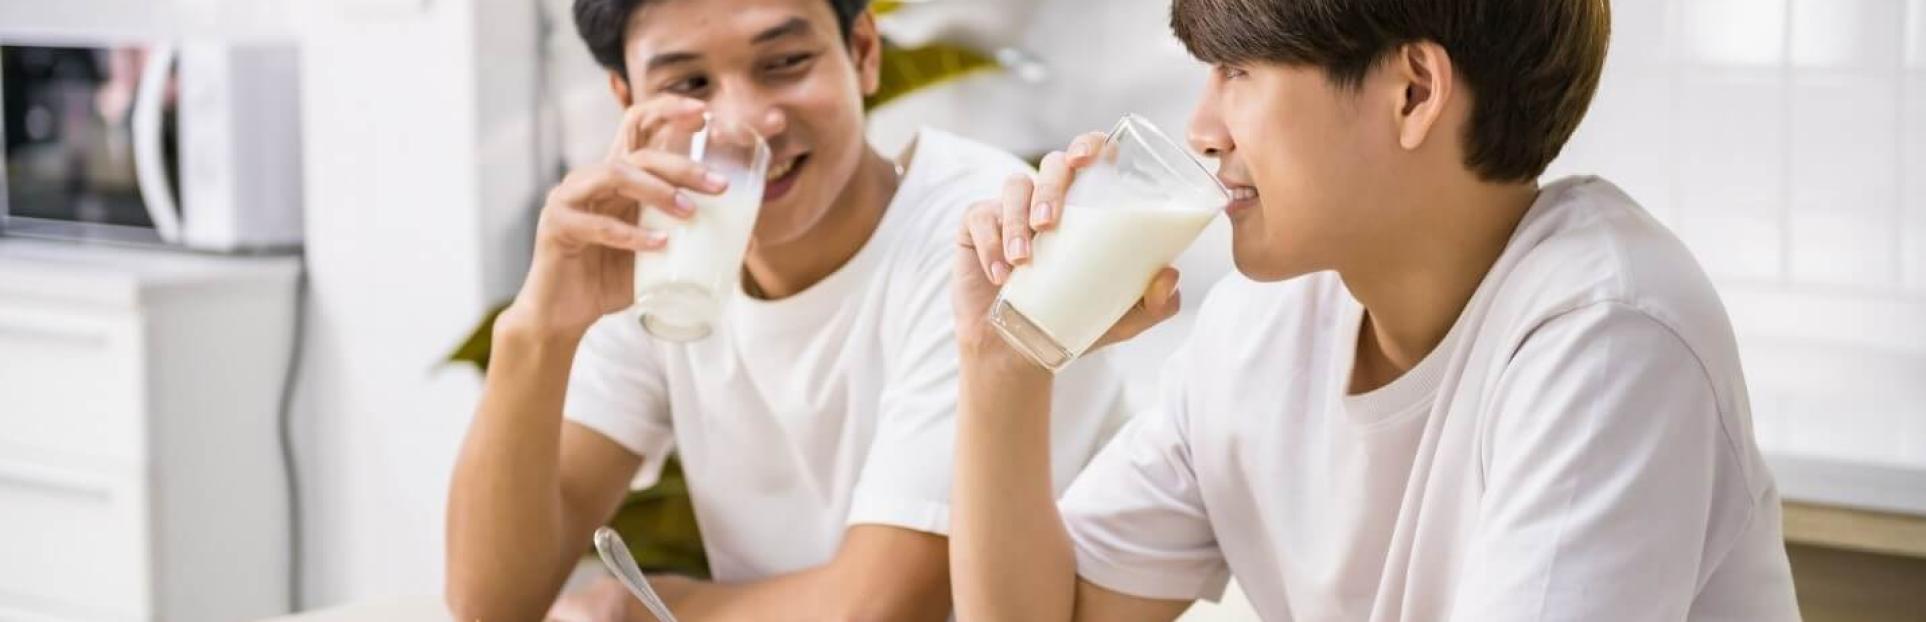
1912,209
1902,276
1787,128
1675,62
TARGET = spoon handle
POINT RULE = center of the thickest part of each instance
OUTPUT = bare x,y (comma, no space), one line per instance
615,555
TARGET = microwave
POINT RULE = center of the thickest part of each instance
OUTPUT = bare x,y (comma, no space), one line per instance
186,144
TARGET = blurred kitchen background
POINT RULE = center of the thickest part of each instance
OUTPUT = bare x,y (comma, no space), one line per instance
378,162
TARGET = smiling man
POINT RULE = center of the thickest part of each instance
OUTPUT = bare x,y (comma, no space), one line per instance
1438,390
815,424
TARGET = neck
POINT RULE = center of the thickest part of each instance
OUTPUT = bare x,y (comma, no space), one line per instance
1416,282
776,271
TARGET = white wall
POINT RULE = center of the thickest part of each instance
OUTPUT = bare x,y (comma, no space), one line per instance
231,19
394,267
419,174
1785,142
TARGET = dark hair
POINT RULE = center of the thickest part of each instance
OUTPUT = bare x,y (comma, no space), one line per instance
604,25
1531,65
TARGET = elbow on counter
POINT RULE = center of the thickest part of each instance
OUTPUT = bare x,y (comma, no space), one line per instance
470,599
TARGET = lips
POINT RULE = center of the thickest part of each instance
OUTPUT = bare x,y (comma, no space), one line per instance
782,177
1243,196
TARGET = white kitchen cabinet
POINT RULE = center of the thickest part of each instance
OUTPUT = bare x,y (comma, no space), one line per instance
140,464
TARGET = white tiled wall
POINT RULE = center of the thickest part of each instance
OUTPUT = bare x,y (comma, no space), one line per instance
1785,142
1913,146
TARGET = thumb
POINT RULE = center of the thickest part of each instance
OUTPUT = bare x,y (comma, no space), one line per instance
1160,299
1160,302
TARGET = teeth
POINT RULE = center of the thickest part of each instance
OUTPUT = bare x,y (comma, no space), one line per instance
777,171
1242,193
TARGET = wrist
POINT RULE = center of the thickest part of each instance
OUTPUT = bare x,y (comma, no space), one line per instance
673,589
523,332
1002,366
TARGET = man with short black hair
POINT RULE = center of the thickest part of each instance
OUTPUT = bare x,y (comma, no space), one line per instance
815,424
1437,391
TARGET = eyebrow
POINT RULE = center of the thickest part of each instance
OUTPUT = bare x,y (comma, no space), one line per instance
670,58
791,27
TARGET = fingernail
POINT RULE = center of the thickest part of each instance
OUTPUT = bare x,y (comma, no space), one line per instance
1079,150
655,239
684,205
1040,214
717,183
1017,248
999,272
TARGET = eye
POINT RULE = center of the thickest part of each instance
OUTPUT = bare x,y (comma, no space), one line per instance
687,86
791,61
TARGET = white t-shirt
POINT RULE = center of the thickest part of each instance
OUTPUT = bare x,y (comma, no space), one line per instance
1579,447
831,407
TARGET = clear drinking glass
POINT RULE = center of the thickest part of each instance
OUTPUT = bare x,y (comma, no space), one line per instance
1126,216
679,290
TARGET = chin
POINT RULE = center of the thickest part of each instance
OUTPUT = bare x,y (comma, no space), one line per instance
1261,273
1258,265
783,230
787,219
777,234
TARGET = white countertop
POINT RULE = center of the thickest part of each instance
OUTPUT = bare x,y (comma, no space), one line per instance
1842,482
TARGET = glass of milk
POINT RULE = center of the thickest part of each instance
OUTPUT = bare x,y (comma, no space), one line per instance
679,289
1126,215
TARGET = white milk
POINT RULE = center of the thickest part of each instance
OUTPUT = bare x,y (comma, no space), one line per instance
684,284
1087,272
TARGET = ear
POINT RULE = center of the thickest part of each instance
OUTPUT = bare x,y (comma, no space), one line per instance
1423,73
866,48
620,87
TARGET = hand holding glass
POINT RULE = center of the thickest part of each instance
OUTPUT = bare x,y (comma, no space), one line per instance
1126,216
680,290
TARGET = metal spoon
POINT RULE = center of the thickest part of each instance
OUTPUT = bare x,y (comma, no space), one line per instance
615,555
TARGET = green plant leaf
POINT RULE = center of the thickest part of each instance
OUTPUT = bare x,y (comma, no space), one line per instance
480,342
907,70
660,526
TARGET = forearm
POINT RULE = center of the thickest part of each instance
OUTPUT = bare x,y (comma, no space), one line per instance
506,524
787,595
1010,557
908,582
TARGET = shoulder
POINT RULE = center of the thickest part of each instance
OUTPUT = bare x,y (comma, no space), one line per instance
616,341
945,175
1589,246
1600,298
951,160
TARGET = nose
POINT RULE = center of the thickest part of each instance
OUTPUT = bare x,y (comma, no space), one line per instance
748,105
1207,133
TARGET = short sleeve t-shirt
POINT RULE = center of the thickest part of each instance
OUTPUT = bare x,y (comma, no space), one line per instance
1579,447
831,407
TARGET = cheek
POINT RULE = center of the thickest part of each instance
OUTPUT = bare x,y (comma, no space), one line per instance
830,93
1286,162
1267,149
826,114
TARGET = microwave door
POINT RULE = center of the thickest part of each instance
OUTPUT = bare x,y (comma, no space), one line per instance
150,162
